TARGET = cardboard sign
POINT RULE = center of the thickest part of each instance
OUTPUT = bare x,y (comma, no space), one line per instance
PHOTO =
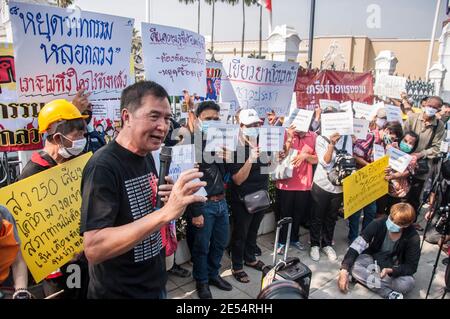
365,111
378,152
393,113
46,207
329,105
360,128
365,186
390,86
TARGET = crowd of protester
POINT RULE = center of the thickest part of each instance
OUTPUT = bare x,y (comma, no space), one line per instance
124,253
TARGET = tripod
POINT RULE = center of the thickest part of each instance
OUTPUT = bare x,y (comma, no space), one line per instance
436,188
444,229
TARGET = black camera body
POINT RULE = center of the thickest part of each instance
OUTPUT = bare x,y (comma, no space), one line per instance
442,225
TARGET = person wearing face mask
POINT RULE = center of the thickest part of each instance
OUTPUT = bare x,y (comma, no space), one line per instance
431,132
247,177
399,184
94,140
65,128
385,256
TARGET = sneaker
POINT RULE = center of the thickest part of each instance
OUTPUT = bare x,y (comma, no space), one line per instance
329,251
280,249
314,253
298,245
395,295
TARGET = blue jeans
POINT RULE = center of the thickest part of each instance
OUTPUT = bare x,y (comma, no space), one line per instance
210,241
353,221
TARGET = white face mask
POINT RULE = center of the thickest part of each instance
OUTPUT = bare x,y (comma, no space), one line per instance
77,147
430,111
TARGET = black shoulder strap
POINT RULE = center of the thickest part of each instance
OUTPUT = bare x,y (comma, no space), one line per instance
345,143
432,135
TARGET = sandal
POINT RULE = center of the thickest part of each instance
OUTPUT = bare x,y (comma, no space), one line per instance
241,276
258,266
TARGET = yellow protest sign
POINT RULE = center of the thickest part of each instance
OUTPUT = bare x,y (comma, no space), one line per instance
47,209
364,186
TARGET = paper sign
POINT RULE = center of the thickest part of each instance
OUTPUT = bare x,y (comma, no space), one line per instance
346,106
360,128
271,138
258,84
60,51
7,74
174,58
444,147
302,120
224,111
365,186
365,111
221,136
398,160
46,207
393,113
390,86
213,80
378,152
106,118
341,122
329,105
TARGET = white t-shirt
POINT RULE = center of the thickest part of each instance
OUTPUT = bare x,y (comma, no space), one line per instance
321,173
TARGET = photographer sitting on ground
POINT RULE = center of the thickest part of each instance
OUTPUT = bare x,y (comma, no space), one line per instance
391,244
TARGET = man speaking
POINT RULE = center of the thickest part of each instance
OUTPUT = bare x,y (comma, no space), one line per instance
121,227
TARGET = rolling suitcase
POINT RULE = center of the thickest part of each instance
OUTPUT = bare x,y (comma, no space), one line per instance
290,269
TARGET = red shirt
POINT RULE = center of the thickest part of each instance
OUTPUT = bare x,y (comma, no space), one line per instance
302,175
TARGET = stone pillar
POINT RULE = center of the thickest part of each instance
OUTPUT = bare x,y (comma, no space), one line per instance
283,44
436,76
385,63
444,61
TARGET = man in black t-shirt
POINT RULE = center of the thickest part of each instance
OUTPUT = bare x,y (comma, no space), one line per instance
119,222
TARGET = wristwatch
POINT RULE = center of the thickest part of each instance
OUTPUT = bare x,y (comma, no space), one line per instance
22,293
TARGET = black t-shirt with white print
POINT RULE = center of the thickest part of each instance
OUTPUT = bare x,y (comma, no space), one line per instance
119,187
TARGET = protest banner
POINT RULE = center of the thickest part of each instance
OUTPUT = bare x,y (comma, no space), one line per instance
365,111
60,51
378,152
47,210
258,84
271,138
393,113
106,118
398,160
360,128
390,86
174,58
340,122
7,74
313,85
213,80
221,136
19,127
365,186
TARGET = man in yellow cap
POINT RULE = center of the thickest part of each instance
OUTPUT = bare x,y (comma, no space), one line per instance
65,130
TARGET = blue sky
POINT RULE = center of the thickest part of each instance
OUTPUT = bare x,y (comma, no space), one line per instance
406,19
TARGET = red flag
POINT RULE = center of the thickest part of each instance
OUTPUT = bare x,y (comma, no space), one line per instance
266,4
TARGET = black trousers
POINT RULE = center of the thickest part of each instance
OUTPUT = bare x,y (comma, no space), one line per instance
414,197
385,203
295,204
245,232
324,216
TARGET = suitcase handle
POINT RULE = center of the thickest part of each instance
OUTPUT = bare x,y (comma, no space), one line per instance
280,224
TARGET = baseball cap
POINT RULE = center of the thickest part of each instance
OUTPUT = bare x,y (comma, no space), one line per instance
249,116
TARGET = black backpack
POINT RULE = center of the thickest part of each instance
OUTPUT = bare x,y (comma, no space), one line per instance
344,165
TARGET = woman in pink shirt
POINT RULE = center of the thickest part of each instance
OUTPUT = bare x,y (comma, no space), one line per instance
293,194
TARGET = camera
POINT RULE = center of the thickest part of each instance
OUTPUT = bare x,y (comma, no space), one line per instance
442,225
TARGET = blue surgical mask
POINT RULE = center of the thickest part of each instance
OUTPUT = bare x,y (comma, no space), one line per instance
430,111
250,131
393,228
405,147
204,125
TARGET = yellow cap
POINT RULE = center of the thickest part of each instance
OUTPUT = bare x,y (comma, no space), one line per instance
55,111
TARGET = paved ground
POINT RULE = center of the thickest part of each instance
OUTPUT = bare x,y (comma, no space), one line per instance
324,273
